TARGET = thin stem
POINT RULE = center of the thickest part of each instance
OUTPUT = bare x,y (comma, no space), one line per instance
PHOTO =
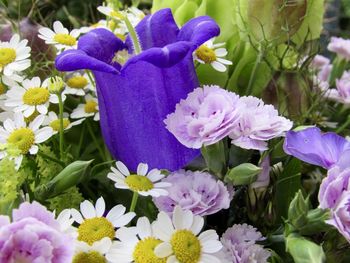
61,131
51,159
92,134
252,75
133,35
135,196
91,78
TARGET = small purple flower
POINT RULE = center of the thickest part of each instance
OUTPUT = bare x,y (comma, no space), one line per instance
239,245
342,92
34,236
341,215
263,179
332,187
340,46
258,123
195,191
205,117
320,61
312,146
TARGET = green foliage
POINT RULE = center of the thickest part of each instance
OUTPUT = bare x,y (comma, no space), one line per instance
243,174
69,199
47,168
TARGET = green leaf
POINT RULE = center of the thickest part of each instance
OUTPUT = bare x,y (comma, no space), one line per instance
288,183
185,12
303,250
243,174
215,158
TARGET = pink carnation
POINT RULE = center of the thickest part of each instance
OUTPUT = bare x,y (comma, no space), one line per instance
340,46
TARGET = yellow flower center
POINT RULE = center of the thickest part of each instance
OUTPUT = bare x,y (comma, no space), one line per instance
89,257
65,39
186,246
94,229
55,125
2,89
144,251
116,14
22,138
138,182
7,55
120,36
77,82
36,96
90,106
206,54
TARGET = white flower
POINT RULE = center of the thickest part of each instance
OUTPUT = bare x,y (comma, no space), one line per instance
182,241
87,109
210,53
94,253
94,226
30,97
146,184
136,244
109,11
66,221
60,37
16,133
53,121
78,84
14,58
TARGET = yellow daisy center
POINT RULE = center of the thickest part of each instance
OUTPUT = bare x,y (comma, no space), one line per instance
206,54
7,55
94,229
2,89
144,251
36,96
138,182
89,257
90,106
55,125
65,39
22,138
186,246
116,14
77,82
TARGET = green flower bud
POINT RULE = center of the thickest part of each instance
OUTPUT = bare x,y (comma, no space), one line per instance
316,222
67,178
56,85
303,250
298,209
272,20
243,174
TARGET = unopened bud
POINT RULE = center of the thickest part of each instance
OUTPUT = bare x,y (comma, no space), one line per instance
56,85
243,174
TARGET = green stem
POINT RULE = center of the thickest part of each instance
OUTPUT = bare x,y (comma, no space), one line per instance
252,75
91,78
135,196
343,127
92,134
133,35
61,131
51,159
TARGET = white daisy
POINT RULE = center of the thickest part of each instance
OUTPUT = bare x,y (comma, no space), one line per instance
87,109
30,97
110,12
93,225
134,14
60,37
14,58
146,184
94,253
66,221
78,84
136,244
210,53
53,121
16,132
182,241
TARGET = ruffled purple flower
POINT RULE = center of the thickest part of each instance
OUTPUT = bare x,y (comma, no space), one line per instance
205,117
239,245
135,98
312,146
258,123
342,92
332,187
195,191
34,236
341,215
340,46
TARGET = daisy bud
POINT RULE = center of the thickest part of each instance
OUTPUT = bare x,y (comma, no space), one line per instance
56,85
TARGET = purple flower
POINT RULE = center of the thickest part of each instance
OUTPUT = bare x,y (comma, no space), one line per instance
312,146
263,179
320,61
206,116
239,245
195,191
342,92
135,98
34,236
258,123
340,46
341,215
